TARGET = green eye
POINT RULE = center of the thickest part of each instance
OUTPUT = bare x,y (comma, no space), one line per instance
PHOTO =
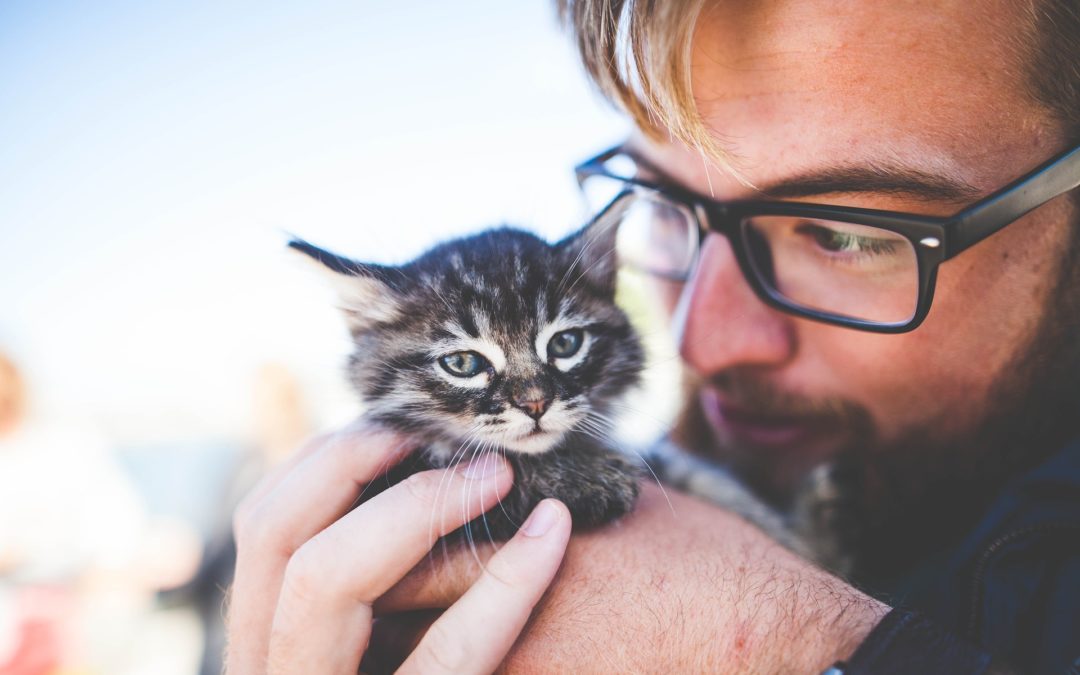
837,241
566,343
463,364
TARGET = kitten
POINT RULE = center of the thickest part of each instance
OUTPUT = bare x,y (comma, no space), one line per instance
500,342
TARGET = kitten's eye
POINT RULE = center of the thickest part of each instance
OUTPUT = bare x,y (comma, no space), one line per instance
463,364
566,343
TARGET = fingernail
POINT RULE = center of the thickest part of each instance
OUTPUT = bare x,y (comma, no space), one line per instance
543,517
484,466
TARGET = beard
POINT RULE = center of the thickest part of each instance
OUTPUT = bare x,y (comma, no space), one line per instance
895,502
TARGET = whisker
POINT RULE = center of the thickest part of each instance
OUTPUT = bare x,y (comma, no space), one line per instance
384,470
638,411
598,261
502,506
500,447
465,500
455,459
600,417
467,531
483,514
559,289
658,427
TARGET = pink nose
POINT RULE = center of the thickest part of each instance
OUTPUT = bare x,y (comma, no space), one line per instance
533,402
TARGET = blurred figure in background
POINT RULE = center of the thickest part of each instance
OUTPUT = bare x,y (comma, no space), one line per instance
31,627
12,396
77,559
67,506
281,422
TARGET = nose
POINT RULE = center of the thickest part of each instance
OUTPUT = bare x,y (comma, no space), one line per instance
532,399
722,323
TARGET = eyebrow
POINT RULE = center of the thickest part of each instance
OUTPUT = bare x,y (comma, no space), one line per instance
873,177
877,178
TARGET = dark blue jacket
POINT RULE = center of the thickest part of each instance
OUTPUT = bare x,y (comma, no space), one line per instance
1008,596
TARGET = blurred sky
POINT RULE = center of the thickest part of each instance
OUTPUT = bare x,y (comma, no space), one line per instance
152,154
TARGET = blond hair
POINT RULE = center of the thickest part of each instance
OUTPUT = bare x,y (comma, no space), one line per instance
638,53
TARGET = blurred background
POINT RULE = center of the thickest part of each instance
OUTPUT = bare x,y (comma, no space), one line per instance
158,347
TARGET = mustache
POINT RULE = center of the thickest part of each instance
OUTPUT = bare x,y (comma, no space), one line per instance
754,393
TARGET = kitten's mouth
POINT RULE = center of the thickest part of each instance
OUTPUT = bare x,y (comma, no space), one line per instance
536,440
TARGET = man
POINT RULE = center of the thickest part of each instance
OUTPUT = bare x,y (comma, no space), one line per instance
950,439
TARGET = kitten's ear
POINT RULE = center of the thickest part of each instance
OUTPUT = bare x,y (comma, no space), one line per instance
589,255
363,290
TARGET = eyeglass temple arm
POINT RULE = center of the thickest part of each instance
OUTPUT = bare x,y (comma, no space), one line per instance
595,164
1054,178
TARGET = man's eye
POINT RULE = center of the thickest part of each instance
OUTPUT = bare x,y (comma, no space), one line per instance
463,364
565,343
836,241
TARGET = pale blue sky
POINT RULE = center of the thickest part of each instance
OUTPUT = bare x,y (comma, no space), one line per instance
151,154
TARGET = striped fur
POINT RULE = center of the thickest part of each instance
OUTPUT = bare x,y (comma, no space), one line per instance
503,294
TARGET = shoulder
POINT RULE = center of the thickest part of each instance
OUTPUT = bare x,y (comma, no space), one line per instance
1014,584
1025,581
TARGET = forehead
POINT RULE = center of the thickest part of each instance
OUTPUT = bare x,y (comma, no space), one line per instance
791,84
501,288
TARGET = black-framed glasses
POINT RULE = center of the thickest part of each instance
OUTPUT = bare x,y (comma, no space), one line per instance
867,269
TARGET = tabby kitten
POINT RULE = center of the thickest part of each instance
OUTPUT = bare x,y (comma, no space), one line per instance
500,342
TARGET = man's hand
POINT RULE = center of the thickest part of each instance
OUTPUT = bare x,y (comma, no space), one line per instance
309,569
685,588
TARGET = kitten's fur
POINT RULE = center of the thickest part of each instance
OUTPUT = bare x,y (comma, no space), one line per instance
506,295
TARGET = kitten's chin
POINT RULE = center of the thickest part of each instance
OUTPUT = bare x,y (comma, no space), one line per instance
535,443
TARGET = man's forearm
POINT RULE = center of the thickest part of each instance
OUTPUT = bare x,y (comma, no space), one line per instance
786,617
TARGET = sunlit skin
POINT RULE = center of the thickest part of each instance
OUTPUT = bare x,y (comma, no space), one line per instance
792,96
790,87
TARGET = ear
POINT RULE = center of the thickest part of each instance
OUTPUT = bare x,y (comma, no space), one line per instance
589,255
363,290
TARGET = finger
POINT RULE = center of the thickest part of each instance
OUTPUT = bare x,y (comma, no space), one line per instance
268,530
277,473
360,451
438,581
323,617
477,632
317,491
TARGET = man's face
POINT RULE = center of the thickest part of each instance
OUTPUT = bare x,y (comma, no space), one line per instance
798,87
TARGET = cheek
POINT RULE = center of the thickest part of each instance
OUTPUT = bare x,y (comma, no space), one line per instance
987,305
902,381
992,298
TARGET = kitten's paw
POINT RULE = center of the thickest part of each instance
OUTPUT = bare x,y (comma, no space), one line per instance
608,493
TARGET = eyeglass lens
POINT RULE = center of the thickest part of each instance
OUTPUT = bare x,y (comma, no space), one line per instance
836,268
843,269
